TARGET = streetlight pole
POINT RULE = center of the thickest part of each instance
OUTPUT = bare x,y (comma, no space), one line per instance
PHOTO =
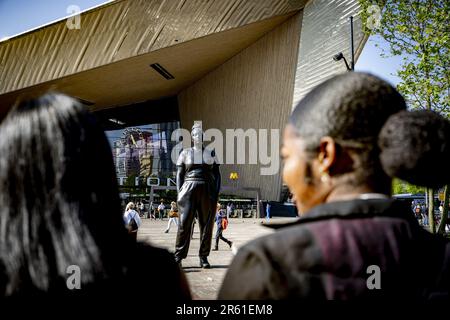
340,55
351,44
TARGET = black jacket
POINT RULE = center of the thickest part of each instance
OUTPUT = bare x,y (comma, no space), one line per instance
328,254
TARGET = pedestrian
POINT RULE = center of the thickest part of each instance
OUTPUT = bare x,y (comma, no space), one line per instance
152,210
418,212
344,143
141,209
132,220
425,214
161,209
228,210
221,226
60,208
268,211
173,216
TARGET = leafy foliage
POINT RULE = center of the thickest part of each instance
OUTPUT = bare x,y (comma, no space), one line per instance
399,187
419,31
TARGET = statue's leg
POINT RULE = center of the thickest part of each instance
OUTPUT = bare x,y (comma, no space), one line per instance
186,208
206,214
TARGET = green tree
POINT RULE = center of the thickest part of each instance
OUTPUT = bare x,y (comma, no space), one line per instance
399,186
419,31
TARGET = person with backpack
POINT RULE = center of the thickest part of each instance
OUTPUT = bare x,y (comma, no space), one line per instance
132,220
222,224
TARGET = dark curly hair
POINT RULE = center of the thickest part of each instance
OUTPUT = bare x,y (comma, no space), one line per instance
357,110
416,148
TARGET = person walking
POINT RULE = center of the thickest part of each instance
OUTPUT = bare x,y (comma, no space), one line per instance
132,220
425,215
221,224
161,209
141,209
228,210
173,216
418,213
152,211
268,211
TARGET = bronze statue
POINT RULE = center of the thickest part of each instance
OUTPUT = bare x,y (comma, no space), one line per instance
198,185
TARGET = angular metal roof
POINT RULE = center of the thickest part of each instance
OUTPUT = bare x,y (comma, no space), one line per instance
121,30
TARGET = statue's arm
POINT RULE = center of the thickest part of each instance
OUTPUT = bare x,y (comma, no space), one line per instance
180,177
181,171
217,178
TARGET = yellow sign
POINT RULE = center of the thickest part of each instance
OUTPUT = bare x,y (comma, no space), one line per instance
234,176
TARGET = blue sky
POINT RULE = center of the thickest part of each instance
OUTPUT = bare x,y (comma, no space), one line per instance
371,61
17,16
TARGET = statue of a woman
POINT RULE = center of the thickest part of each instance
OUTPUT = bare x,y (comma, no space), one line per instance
198,185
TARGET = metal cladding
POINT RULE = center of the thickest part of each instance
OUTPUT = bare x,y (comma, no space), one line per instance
252,90
325,32
230,63
121,30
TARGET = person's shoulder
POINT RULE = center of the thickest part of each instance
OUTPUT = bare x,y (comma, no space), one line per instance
185,151
293,232
289,243
184,154
271,265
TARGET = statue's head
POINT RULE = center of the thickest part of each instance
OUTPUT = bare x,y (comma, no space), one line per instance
197,133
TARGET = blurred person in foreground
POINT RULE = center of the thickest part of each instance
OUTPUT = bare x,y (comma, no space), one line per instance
59,207
343,144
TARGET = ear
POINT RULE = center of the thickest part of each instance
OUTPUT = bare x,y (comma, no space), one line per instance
327,154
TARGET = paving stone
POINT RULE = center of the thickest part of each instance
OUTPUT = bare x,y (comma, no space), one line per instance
205,283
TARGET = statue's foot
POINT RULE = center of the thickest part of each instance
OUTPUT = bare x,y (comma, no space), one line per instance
204,263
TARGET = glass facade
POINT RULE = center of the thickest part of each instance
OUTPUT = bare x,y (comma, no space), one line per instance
142,156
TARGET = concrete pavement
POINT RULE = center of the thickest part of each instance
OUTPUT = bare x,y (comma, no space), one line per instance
205,283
